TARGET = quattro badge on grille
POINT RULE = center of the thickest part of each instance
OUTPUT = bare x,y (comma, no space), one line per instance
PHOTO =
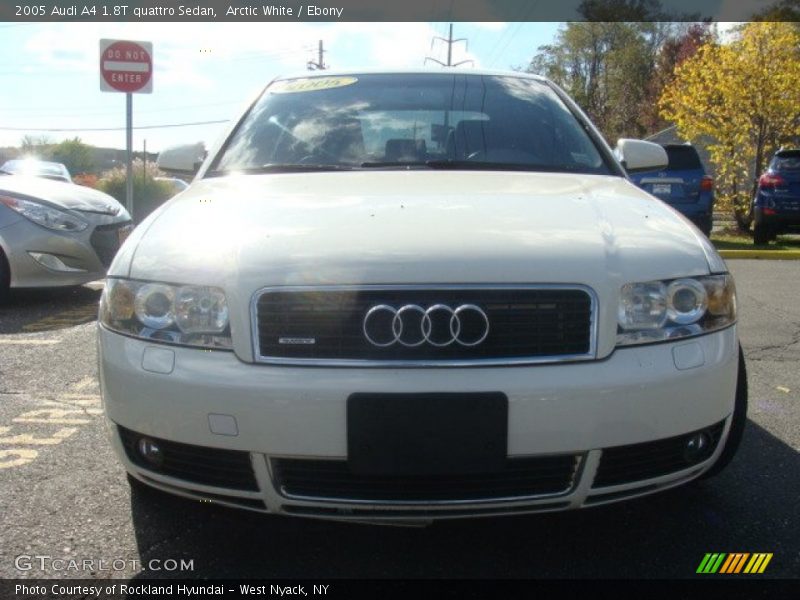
297,341
438,325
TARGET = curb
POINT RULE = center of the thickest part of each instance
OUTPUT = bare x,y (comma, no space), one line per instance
761,254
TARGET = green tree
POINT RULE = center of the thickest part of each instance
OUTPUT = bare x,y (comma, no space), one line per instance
35,145
74,154
606,67
782,10
744,96
680,46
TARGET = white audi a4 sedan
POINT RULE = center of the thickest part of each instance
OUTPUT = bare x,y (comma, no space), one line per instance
409,296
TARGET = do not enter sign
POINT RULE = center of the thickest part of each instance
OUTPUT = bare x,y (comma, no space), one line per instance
126,66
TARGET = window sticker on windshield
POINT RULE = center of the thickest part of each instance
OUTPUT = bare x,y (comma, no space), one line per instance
311,84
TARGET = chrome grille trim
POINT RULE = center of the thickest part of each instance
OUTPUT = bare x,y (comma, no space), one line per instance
485,362
575,477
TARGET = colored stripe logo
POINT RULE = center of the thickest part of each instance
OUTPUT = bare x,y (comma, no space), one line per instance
735,562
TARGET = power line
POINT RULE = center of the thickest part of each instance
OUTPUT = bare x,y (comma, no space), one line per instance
511,37
80,129
523,15
92,112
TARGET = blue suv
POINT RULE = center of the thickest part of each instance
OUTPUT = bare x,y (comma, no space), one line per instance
683,184
776,205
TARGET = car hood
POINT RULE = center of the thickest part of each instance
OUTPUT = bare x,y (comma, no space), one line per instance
410,227
64,195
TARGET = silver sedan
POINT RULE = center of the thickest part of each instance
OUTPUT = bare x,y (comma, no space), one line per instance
56,234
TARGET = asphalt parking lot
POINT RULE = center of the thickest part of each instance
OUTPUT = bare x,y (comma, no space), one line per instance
63,494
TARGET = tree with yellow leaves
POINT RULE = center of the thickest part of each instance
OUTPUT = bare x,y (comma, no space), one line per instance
745,96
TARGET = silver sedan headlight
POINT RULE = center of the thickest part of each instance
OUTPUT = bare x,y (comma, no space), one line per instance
44,214
655,311
177,314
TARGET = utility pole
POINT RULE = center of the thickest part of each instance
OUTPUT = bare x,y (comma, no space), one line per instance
320,64
450,41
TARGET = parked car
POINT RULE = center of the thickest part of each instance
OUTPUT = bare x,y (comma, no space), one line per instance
776,206
408,296
37,168
56,234
683,184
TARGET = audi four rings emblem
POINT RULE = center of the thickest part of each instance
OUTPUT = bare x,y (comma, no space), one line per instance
412,325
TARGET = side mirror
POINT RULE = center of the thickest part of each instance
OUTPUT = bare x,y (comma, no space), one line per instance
638,155
184,159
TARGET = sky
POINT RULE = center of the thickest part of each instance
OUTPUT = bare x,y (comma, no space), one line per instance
49,75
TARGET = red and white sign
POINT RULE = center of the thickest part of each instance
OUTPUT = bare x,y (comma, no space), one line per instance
126,66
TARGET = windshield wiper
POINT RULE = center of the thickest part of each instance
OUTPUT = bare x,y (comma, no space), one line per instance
394,164
283,168
479,165
467,165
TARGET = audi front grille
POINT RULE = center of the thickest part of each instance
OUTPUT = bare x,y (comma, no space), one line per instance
414,326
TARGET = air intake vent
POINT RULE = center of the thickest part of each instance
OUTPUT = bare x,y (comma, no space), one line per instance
332,479
637,462
208,466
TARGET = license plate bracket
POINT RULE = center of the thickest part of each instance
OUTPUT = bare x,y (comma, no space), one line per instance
427,434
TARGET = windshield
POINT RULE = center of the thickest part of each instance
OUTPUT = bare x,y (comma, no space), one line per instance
36,168
788,160
403,121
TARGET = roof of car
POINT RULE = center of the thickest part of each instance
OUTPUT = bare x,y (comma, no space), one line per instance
415,71
35,164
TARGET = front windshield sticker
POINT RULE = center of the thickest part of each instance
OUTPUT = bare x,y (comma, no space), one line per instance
310,84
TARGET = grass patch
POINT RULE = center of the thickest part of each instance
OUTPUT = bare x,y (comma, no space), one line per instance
736,240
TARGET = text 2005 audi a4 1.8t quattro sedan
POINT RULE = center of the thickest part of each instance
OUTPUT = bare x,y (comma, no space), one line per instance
424,295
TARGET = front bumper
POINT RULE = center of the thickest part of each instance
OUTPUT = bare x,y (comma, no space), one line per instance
635,396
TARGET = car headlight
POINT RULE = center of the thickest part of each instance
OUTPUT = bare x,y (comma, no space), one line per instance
44,214
655,311
177,314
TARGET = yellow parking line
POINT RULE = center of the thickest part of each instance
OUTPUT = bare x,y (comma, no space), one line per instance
6,342
764,254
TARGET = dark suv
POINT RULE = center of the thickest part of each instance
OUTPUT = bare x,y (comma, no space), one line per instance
683,184
776,205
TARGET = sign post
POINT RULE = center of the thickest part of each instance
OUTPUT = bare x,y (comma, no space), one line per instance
127,67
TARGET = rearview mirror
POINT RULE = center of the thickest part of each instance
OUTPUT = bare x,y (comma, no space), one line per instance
638,155
185,159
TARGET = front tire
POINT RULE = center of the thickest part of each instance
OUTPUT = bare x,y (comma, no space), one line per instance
738,422
5,278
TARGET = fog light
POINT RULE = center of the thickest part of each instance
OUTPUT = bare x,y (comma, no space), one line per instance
151,451
54,263
697,447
